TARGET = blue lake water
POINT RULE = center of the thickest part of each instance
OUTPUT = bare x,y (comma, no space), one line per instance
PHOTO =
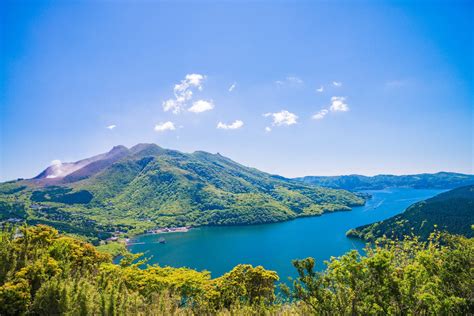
219,249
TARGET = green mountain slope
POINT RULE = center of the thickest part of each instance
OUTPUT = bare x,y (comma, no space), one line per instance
451,211
440,180
148,186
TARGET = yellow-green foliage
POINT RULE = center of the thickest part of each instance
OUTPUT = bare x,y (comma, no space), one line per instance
113,248
42,272
45,273
407,277
244,284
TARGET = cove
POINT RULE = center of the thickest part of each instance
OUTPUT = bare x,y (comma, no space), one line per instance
219,249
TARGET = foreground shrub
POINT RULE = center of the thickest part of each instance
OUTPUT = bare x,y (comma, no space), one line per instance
45,273
406,277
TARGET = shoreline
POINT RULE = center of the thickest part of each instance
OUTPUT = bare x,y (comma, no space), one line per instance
166,230
158,231
185,229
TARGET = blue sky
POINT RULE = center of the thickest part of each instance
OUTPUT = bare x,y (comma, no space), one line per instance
397,82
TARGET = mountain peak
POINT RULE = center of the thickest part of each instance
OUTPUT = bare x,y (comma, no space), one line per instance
144,146
118,148
75,171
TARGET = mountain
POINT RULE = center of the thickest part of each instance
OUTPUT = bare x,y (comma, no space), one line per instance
70,172
451,211
134,189
440,180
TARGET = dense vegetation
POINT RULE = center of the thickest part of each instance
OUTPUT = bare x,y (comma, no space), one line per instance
440,180
407,277
61,195
131,190
45,273
451,211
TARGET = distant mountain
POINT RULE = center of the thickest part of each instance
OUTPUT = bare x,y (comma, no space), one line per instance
440,180
132,189
451,211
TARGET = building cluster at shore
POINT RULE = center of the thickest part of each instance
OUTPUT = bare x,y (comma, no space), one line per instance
183,229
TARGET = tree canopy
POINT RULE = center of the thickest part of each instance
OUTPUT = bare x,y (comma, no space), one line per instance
45,273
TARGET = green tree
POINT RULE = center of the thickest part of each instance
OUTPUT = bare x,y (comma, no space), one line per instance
393,278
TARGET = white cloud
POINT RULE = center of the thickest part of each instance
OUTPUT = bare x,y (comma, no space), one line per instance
282,118
195,80
183,92
191,80
293,80
172,105
232,87
320,115
56,162
235,125
338,104
201,106
55,169
111,126
337,83
166,126
320,89
268,129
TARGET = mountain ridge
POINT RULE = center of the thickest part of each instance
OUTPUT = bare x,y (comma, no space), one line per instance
145,186
451,211
355,182
132,189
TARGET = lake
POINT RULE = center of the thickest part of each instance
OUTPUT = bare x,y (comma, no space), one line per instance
219,249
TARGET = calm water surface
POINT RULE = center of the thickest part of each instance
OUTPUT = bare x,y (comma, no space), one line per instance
219,249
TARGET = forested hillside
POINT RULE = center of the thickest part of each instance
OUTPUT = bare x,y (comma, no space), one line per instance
440,180
451,211
131,190
45,273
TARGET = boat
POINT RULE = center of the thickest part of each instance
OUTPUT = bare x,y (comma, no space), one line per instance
162,240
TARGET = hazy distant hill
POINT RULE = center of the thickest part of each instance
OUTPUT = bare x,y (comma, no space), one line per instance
440,180
452,211
147,186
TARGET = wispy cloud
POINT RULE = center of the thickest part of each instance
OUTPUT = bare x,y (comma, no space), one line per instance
337,83
338,104
166,126
282,118
55,169
201,106
183,92
232,87
235,125
294,79
268,129
172,105
320,89
320,115
290,80
111,127
193,80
